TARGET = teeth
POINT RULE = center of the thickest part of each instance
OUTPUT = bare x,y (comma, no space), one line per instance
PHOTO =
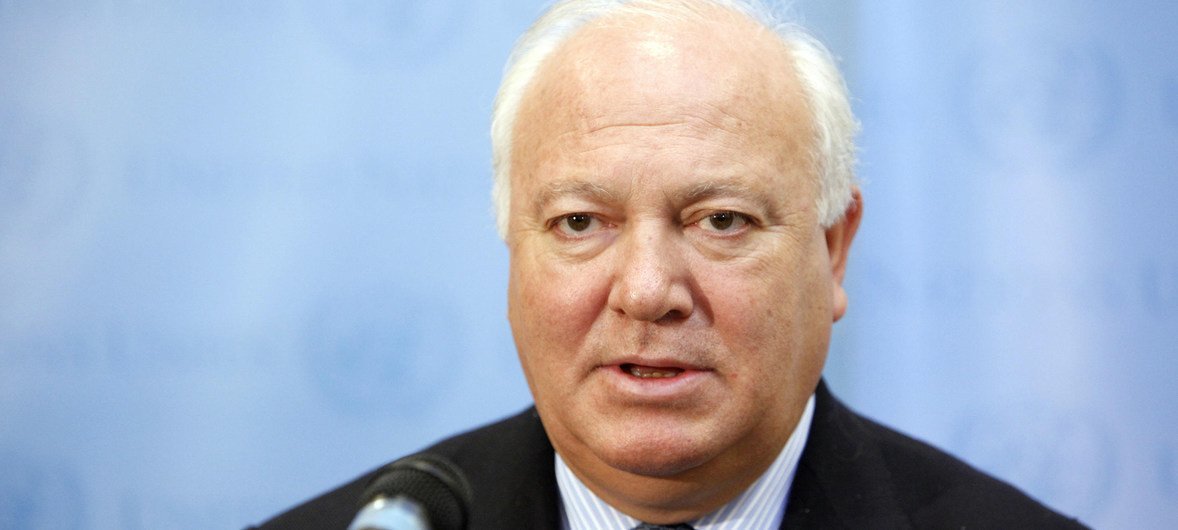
645,372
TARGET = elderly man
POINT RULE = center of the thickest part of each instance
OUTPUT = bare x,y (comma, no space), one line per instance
674,183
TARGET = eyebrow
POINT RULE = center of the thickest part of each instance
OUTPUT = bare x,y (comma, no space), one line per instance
725,188
734,187
574,187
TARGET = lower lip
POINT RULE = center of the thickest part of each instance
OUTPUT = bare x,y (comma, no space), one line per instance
685,384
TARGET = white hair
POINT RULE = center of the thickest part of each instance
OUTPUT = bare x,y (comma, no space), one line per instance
833,148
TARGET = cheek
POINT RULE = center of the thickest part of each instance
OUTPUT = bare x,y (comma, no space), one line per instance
762,325
773,312
551,320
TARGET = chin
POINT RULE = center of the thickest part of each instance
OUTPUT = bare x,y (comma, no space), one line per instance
659,456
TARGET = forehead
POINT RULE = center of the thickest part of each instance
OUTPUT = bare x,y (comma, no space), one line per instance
718,76
646,65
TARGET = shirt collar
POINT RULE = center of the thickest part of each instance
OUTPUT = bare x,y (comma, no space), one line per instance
760,506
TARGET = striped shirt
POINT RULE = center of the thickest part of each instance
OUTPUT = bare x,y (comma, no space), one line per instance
760,507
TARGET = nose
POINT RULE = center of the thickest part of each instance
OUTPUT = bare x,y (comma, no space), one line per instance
652,281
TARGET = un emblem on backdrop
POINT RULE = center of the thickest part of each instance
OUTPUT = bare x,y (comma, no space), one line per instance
1031,98
383,352
409,32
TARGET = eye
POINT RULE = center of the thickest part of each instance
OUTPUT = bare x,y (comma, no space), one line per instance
576,224
724,222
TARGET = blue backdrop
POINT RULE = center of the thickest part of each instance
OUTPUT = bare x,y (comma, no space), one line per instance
246,249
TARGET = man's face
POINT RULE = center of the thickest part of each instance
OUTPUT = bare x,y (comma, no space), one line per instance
671,291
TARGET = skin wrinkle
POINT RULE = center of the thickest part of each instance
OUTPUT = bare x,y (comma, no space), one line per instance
601,128
727,121
734,188
559,189
602,196
687,128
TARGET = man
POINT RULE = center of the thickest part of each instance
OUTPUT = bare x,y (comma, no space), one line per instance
674,183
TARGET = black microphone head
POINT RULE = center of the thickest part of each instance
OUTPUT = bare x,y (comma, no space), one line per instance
433,482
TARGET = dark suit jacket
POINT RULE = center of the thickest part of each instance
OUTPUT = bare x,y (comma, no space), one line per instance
854,473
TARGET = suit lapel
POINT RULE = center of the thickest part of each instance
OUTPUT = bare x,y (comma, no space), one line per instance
517,478
532,499
841,481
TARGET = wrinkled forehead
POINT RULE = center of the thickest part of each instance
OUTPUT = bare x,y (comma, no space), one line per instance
647,68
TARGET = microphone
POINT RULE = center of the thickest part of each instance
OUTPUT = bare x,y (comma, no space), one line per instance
418,492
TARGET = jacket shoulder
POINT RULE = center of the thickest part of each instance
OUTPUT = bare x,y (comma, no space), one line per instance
502,461
936,488
932,488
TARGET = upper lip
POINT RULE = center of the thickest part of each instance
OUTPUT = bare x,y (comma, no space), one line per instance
657,362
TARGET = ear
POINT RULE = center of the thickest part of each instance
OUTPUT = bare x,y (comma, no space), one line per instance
838,244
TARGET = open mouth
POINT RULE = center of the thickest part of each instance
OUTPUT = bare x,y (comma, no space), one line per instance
650,372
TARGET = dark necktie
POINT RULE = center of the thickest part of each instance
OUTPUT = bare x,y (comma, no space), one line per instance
648,526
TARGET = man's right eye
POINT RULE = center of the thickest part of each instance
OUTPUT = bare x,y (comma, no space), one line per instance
577,224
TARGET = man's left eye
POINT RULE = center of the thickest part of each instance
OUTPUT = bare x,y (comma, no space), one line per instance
724,221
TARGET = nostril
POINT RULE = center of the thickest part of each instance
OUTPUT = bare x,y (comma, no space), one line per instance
674,314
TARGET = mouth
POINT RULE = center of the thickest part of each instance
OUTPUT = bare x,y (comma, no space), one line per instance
657,382
650,372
